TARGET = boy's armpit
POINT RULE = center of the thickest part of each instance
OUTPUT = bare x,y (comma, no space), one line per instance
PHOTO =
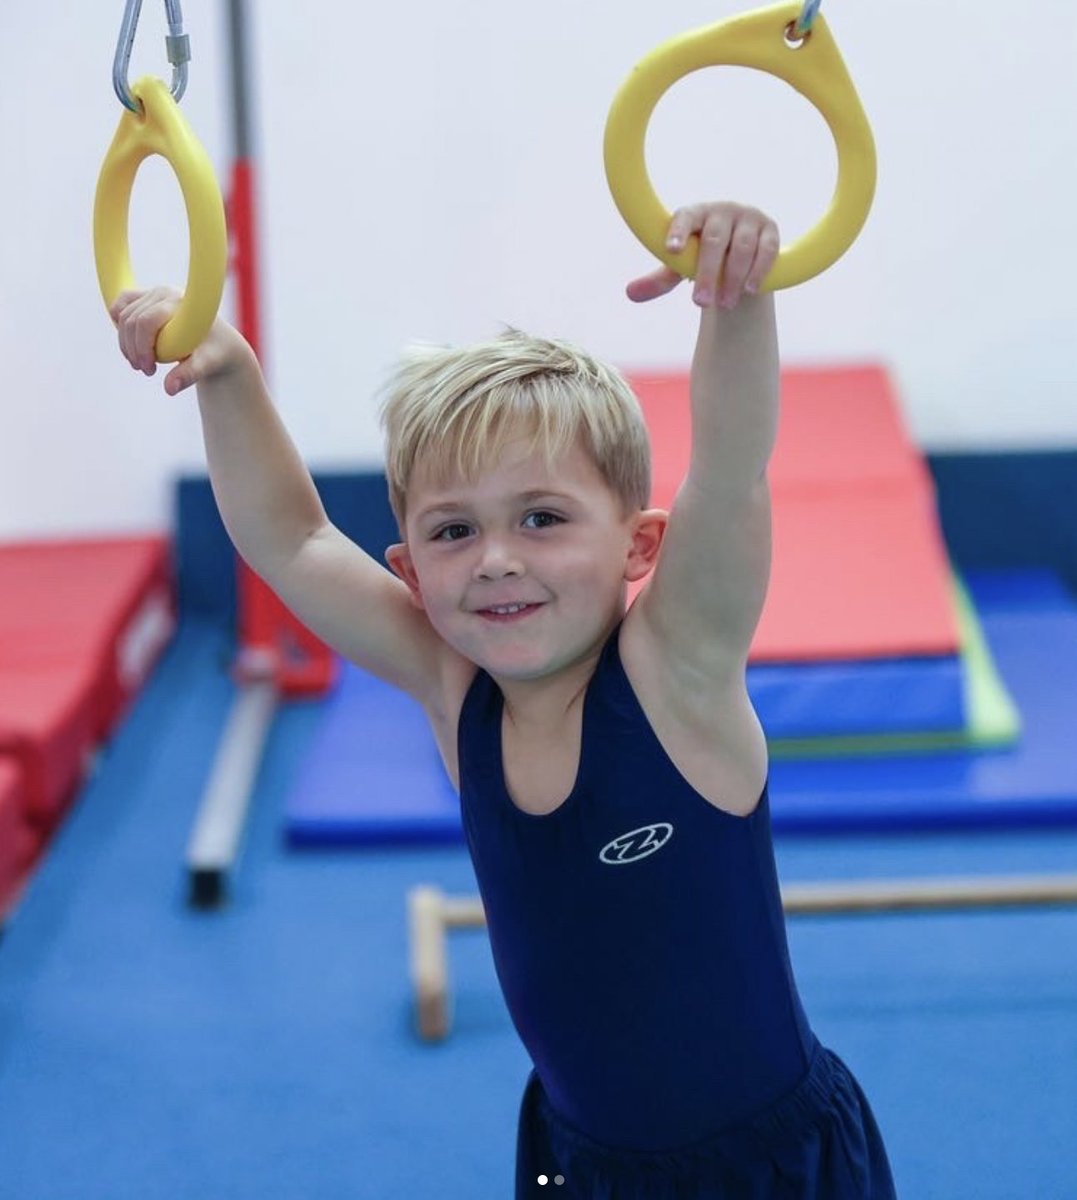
704,719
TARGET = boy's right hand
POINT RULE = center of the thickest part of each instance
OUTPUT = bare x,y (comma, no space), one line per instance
139,317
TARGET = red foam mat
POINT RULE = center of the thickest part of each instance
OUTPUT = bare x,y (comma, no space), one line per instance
81,624
18,841
860,566
48,721
853,579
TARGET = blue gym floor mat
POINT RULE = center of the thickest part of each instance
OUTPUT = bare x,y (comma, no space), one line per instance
373,773
401,792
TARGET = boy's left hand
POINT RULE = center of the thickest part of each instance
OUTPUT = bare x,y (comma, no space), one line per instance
737,248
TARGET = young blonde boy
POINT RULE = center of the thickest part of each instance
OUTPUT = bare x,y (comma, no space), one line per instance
612,770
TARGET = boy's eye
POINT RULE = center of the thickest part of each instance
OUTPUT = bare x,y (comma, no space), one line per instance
452,533
542,519
457,530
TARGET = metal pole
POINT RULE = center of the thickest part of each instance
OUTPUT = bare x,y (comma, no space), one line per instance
218,832
237,41
222,815
242,200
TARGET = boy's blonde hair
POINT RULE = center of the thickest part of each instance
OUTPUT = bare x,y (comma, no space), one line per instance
453,410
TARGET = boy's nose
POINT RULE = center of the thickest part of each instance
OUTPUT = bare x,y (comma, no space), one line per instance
497,561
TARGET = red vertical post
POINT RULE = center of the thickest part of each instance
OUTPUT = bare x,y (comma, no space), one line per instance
271,638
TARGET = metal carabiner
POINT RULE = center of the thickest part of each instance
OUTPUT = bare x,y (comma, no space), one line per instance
177,44
806,20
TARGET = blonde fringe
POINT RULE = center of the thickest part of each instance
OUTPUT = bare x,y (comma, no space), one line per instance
454,410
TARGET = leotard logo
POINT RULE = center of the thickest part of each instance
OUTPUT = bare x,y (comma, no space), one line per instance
631,847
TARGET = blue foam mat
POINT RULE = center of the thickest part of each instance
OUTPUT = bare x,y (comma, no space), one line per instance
373,774
395,788
850,699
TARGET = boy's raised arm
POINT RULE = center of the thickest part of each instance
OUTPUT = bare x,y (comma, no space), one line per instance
273,512
707,593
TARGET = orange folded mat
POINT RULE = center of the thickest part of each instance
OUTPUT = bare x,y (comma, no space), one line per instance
860,567
81,624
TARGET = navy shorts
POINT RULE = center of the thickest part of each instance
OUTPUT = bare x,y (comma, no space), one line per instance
819,1142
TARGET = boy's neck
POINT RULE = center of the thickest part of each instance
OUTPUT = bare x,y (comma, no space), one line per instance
537,704
548,701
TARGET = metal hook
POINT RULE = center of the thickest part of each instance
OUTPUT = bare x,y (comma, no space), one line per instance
807,18
177,45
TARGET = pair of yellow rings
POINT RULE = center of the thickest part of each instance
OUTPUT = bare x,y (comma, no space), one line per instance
761,40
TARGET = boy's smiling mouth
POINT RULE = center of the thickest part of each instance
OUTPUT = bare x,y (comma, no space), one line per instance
508,612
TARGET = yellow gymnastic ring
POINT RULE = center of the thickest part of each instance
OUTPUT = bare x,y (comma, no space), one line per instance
817,70
162,129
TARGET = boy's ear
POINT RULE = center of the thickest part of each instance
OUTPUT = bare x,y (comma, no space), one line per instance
399,559
649,528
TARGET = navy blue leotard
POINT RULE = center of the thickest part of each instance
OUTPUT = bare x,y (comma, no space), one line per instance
638,936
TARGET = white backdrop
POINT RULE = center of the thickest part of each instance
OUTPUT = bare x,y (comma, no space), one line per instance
430,170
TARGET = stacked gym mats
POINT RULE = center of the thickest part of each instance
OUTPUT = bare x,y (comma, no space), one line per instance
267,1050
81,626
891,688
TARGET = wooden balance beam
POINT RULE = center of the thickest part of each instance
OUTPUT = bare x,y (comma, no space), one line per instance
431,914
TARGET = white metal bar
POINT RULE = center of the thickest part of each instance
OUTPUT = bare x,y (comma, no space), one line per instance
222,814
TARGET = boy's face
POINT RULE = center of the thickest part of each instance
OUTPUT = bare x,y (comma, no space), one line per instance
552,539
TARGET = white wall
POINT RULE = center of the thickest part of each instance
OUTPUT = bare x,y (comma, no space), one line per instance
431,170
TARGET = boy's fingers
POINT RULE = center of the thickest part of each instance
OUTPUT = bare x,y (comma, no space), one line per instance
765,256
125,333
657,283
145,318
743,244
180,377
713,244
198,365
737,248
148,324
123,300
683,223
126,320
139,316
